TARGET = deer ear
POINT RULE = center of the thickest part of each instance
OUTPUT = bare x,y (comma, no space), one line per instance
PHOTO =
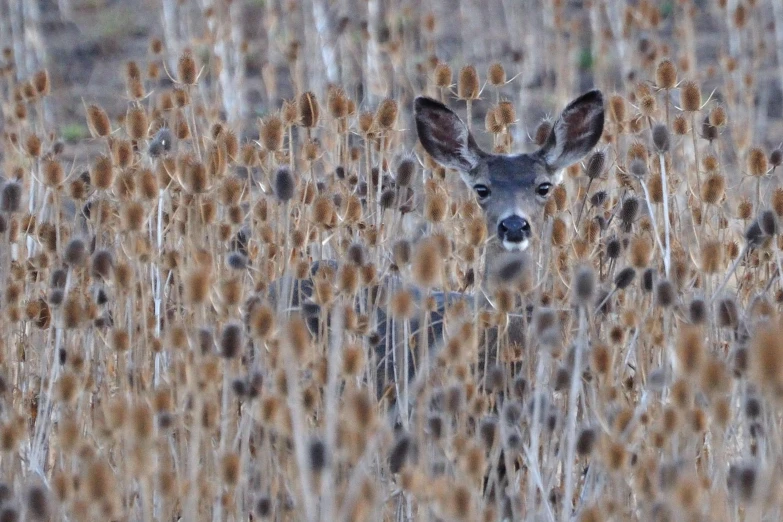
444,136
575,132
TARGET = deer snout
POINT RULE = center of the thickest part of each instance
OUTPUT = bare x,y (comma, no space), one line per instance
513,229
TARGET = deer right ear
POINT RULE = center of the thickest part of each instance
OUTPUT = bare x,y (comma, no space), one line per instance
444,136
575,132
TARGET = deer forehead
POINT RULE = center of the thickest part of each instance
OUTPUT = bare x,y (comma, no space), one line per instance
515,173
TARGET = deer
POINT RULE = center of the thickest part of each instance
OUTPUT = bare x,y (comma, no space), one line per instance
511,190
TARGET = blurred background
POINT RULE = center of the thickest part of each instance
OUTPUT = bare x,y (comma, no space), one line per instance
257,53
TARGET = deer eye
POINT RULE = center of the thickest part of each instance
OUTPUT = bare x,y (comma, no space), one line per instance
543,189
482,191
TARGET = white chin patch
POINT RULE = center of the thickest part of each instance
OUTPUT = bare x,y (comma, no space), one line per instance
516,247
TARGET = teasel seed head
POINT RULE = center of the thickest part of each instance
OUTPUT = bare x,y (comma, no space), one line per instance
660,138
442,76
584,284
680,125
690,96
386,115
468,84
309,110
666,75
187,71
98,121
757,162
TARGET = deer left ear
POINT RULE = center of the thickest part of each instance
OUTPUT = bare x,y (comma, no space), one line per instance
575,132
444,136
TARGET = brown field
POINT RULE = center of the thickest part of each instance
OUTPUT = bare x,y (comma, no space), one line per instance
173,170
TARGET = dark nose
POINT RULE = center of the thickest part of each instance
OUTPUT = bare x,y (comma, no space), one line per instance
514,229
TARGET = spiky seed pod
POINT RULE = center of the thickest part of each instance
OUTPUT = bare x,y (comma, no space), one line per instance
386,115
744,209
711,257
718,116
647,105
613,248
624,278
231,341
629,210
11,197
768,222
271,133
665,293
75,253
492,123
559,232
41,82
442,76
584,284
133,216
727,314
690,96
757,162
496,75
640,252
697,311
337,103
387,199
599,198
102,264
230,144
285,184
542,133
435,207
680,125
427,263
38,503
690,349
468,84
660,138
406,170
148,184
666,75
322,210
708,132
617,109
122,152
711,163
777,201
505,113
638,168
98,121
53,173
713,189
308,110
187,71
776,158
595,164
136,123
754,235
401,252
181,97
156,46
32,145
648,279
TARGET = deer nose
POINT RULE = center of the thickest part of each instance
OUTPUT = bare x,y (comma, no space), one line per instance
514,229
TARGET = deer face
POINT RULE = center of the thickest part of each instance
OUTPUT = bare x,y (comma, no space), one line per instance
511,189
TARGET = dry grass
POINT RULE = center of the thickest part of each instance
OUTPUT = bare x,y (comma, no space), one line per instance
168,351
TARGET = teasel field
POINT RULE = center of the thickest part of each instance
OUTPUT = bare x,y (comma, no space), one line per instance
234,285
